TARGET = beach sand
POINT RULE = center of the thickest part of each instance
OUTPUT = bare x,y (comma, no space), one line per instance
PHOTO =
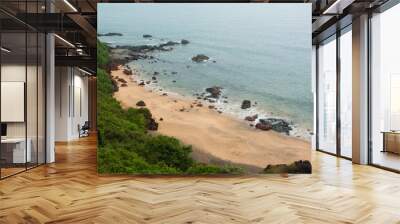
216,138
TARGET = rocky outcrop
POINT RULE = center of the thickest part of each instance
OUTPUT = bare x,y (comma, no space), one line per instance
301,166
214,91
109,34
141,103
277,124
246,104
200,58
147,36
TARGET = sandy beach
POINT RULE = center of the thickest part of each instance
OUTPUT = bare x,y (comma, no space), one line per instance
215,137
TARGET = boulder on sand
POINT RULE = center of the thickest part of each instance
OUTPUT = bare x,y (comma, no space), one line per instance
152,125
141,103
251,118
246,104
301,166
264,127
127,72
122,80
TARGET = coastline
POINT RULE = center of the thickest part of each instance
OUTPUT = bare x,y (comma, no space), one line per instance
215,137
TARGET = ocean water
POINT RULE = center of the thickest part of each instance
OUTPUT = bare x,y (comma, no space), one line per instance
262,52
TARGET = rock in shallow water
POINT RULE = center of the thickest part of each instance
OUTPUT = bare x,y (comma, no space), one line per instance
215,91
246,104
183,41
200,58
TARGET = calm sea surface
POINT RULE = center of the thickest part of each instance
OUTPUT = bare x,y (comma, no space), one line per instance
262,52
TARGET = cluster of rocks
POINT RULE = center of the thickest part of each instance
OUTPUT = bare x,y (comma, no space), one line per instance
148,48
266,124
123,54
211,94
109,34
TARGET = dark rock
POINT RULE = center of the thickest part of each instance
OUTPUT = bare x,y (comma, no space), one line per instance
141,103
246,104
147,82
301,166
147,36
124,85
277,124
165,94
251,118
153,78
211,107
264,127
161,119
199,105
214,61
251,125
220,112
127,72
174,73
173,80
152,125
200,58
122,80
156,73
215,91
183,41
225,101
182,109
115,85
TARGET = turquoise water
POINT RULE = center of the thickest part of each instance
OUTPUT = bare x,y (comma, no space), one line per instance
262,52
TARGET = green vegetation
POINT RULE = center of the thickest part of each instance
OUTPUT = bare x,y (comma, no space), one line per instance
126,147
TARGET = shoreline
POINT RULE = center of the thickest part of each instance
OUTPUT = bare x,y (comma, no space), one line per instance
221,104
210,133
